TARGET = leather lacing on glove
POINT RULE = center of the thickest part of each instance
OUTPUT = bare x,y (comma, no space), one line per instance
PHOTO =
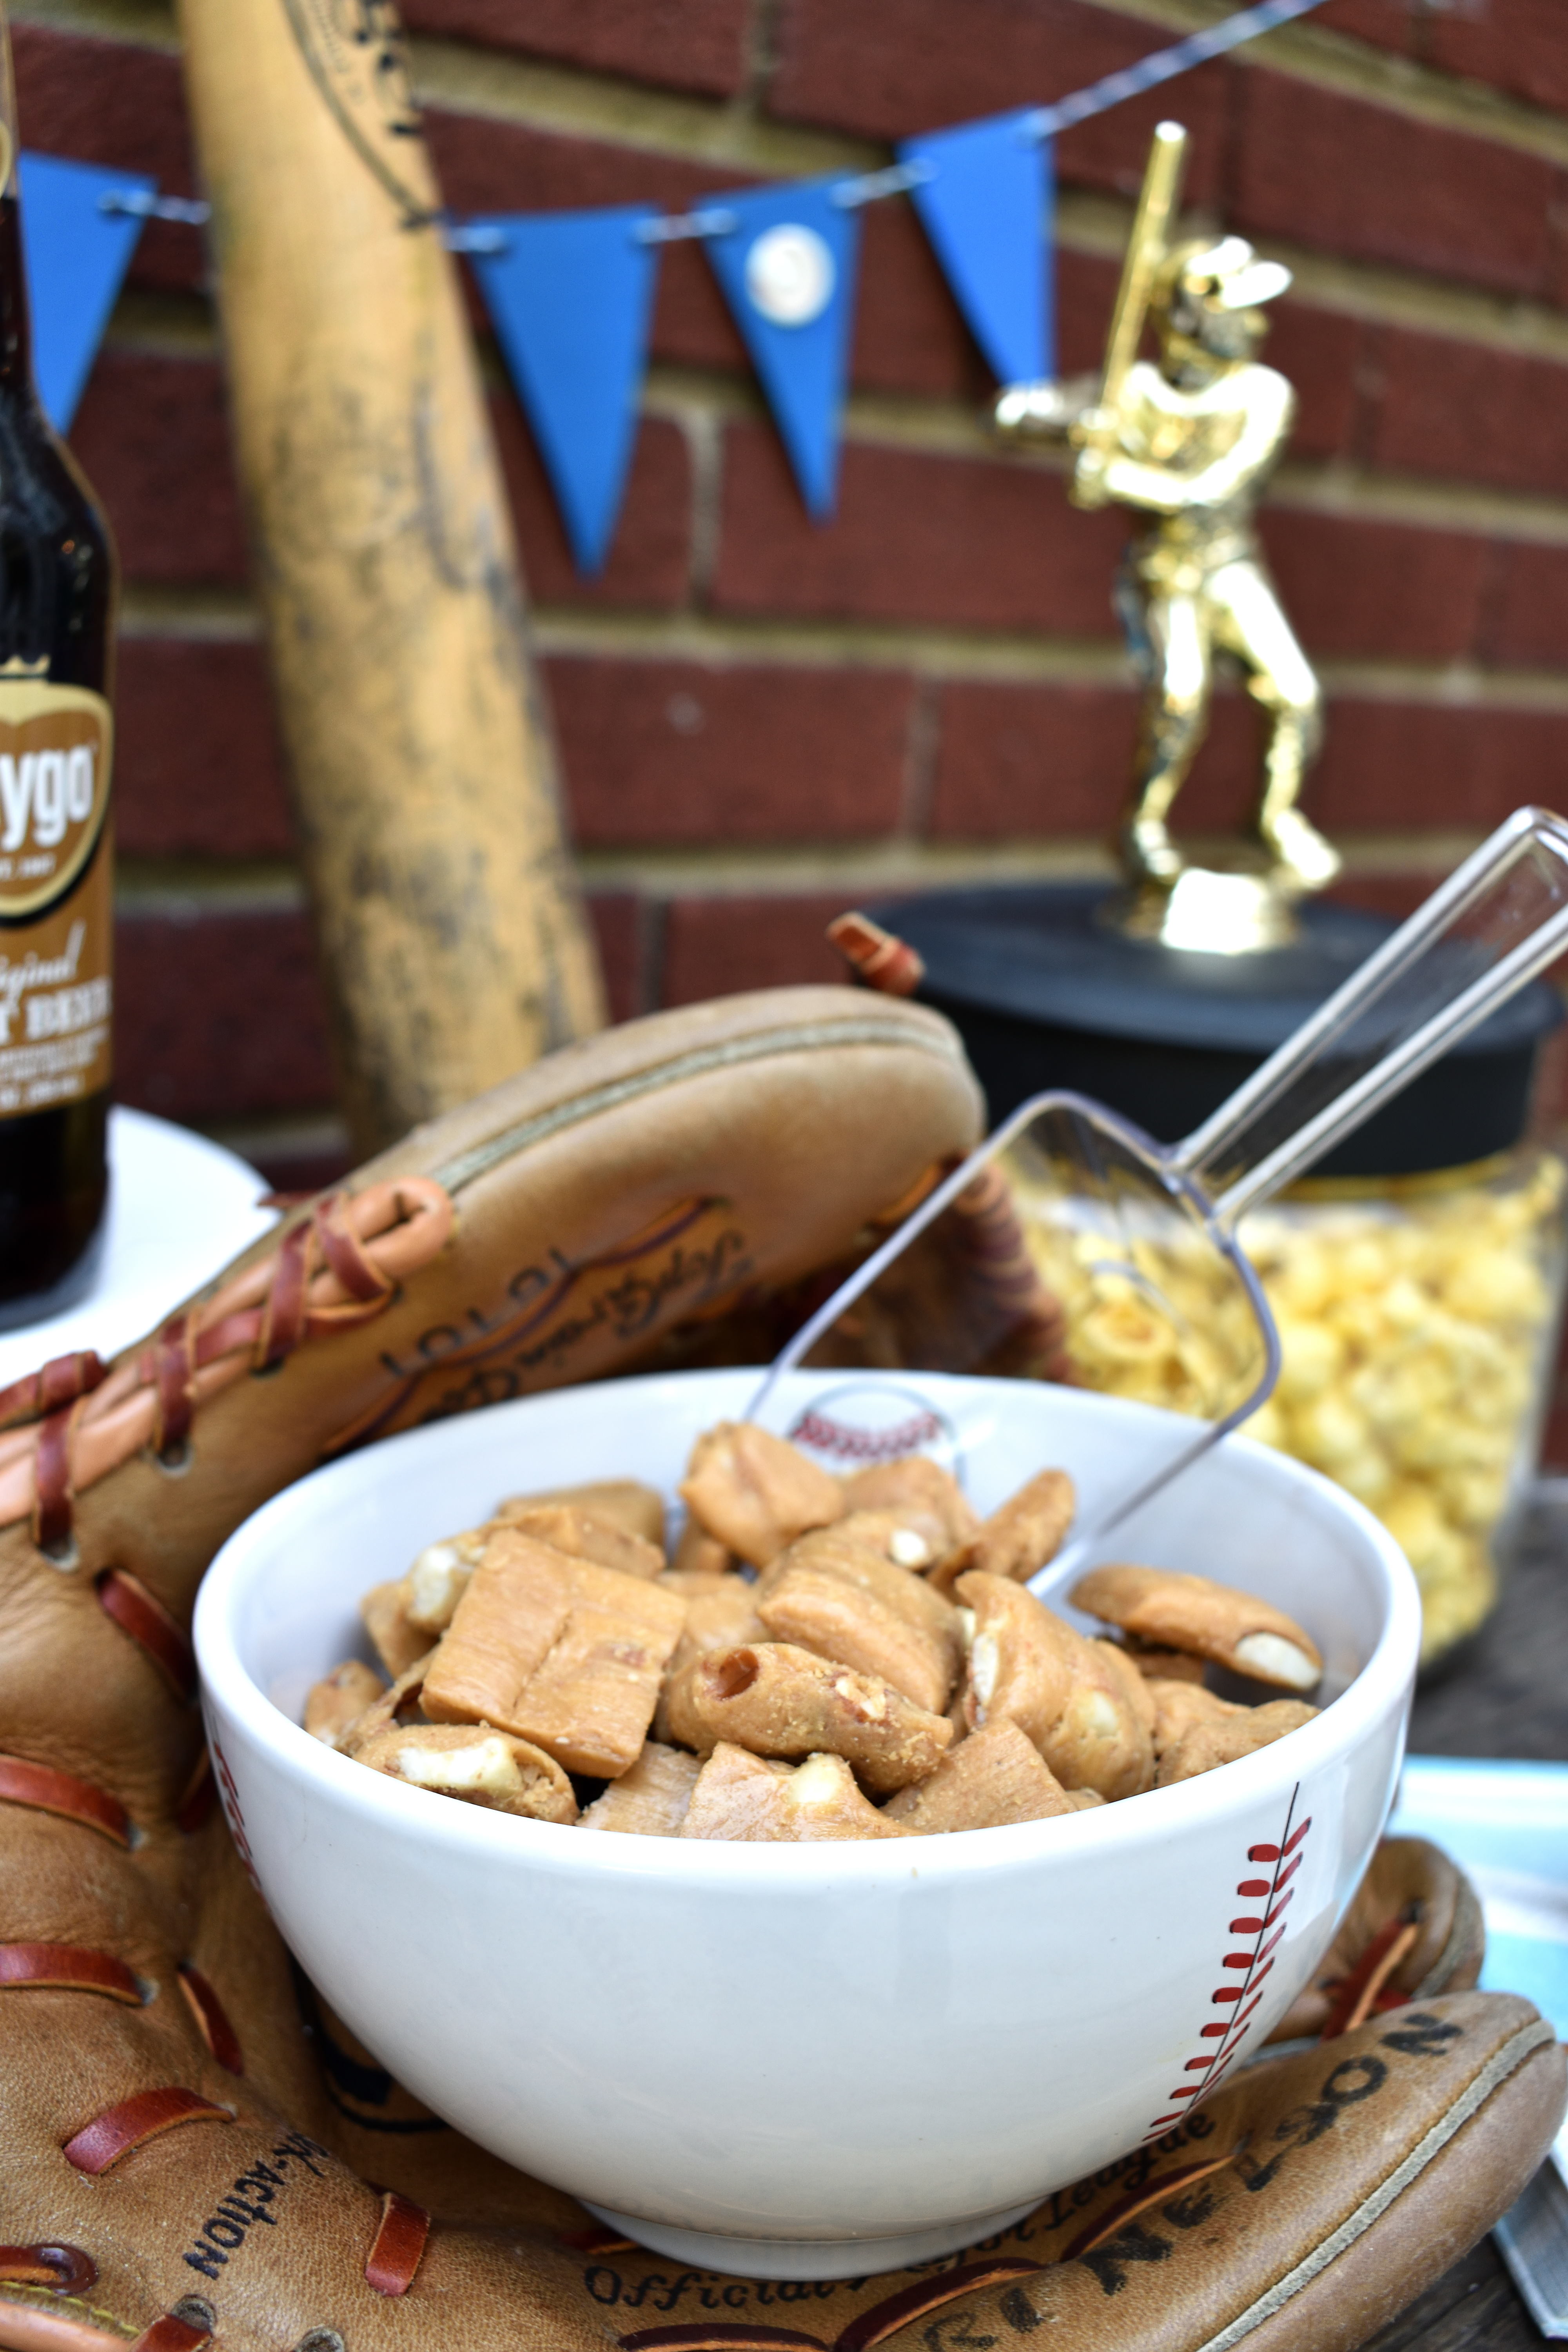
334,1270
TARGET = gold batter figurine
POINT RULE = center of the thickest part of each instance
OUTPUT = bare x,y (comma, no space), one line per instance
1189,443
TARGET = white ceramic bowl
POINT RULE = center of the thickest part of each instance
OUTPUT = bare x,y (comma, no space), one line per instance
809,2061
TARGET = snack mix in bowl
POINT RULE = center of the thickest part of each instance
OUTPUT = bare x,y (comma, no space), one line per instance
827,1658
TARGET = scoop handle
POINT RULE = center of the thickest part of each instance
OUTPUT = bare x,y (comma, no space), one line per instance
1498,921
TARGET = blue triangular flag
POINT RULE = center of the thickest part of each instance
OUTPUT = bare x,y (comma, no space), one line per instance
570,295
76,255
786,268
986,207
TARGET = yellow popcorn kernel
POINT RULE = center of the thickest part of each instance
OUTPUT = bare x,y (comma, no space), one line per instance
1411,1515
1496,1285
1330,1430
1312,1357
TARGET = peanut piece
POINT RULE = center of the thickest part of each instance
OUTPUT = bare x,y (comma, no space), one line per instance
739,1795
1026,1665
590,1535
1196,1732
638,1508
998,1775
831,1594
650,1799
754,1492
1212,1621
558,1651
1019,1537
780,1701
397,1641
340,1699
480,1766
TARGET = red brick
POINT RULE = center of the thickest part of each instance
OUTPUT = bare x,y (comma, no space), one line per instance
1390,765
103,101
681,44
1470,414
909,335
618,916
220,1015
1321,353
1527,625
717,947
1516,45
952,542
890,67
1366,588
197,763
649,553
1358,179
673,752
153,435
1017,762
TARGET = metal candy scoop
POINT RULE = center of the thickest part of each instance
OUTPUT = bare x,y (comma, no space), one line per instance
1137,1239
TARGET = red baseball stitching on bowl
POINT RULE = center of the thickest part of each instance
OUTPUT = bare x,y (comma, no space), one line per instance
232,1813
1250,1963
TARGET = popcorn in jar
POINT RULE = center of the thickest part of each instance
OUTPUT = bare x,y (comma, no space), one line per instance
1417,1319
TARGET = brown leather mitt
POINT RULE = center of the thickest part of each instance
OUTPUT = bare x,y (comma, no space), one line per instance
1414,1929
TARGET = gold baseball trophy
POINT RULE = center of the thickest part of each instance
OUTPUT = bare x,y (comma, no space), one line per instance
1188,442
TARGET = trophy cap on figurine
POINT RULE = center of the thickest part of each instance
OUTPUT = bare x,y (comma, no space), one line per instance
1187,442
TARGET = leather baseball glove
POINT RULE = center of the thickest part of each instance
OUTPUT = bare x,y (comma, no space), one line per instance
190,2144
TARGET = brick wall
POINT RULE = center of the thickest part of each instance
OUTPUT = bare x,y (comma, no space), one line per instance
764,720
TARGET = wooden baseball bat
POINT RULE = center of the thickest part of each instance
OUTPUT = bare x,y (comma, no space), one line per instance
451,930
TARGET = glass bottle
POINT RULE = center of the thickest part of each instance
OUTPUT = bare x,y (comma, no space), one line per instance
57,588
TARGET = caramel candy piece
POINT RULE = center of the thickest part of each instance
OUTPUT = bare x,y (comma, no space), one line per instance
721,1615
780,1701
1163,1666
1134,1687
650,1799
638,1508
392,1710
739,1795
480,1766
754,1492
1019,1537
833,1594
1196,1732
918,1490
558,1651
340,1699
998,1776
1065,1691
1175,1611
590,1535
439,1579
699,1553
397,1641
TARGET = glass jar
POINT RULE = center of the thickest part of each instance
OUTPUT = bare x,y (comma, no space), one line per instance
1418,1319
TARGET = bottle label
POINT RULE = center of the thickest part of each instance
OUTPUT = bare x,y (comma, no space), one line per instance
56,893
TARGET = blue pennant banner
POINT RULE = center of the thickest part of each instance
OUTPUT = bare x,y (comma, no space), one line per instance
571,295
986,205
786,268
76,255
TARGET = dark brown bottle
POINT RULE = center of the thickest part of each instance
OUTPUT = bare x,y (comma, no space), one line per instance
56,626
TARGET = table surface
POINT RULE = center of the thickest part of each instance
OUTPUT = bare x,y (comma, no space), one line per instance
1505,1700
